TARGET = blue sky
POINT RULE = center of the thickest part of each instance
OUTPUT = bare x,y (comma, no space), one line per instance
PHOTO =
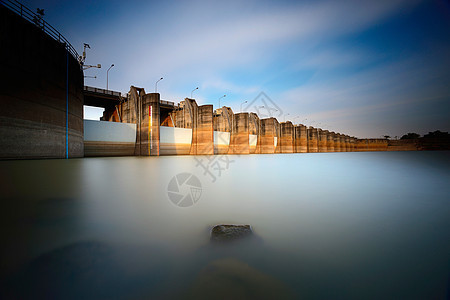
364,68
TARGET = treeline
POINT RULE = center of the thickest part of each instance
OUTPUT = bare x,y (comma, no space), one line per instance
430,135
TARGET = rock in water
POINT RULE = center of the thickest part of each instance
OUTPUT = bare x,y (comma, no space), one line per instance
225,233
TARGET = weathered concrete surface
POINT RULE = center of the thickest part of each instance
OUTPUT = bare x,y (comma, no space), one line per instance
205,130
35,87
342,143
254,125
301,139
109,138
269,135
240,134
322,140
403,145
337,142
346,143
313,143
174,140
223,120
330,141
149,129
287,137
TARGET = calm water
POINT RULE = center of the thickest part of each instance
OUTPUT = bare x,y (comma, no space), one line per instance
327,225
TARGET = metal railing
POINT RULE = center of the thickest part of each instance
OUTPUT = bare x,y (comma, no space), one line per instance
167,102
37,20
101,91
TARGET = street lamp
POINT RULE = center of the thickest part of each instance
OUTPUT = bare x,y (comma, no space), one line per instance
194,91
107,76
156,84
221,98
243,103
258,107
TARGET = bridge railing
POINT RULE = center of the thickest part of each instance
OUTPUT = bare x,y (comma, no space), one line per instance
167,102
101,91
37,20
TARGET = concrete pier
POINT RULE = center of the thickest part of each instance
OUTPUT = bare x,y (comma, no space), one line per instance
254,125
269,136
240,134
313,143
342,144
301,138
323,139
223,120
330,141
337,142
205,130
287,137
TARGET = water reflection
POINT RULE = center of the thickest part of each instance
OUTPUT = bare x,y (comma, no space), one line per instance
332,225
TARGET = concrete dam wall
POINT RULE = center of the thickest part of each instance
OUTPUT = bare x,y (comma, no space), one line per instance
41,94
190,129
42,111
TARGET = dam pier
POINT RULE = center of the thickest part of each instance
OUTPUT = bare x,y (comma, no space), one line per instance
165,128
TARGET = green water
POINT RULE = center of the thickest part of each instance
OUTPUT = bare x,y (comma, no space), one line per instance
327,225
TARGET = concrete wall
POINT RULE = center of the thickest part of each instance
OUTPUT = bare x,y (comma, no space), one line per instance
254,128
287,137
223,119
301,139
268,136
205,130
313,143
322,140
109,138
330,141
240,134
38,79
221,142
175,141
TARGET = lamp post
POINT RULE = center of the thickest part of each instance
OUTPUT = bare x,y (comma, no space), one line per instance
221,98
243,103
156,84
112,65
194,91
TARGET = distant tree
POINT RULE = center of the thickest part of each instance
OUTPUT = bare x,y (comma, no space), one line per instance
437,135
387,136
410,136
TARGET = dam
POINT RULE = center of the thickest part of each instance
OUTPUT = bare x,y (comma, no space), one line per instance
165,128
44,94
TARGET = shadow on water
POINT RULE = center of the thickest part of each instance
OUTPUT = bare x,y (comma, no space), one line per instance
90,270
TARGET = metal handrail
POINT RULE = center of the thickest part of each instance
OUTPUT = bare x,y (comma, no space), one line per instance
167,102
101,91
29,15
